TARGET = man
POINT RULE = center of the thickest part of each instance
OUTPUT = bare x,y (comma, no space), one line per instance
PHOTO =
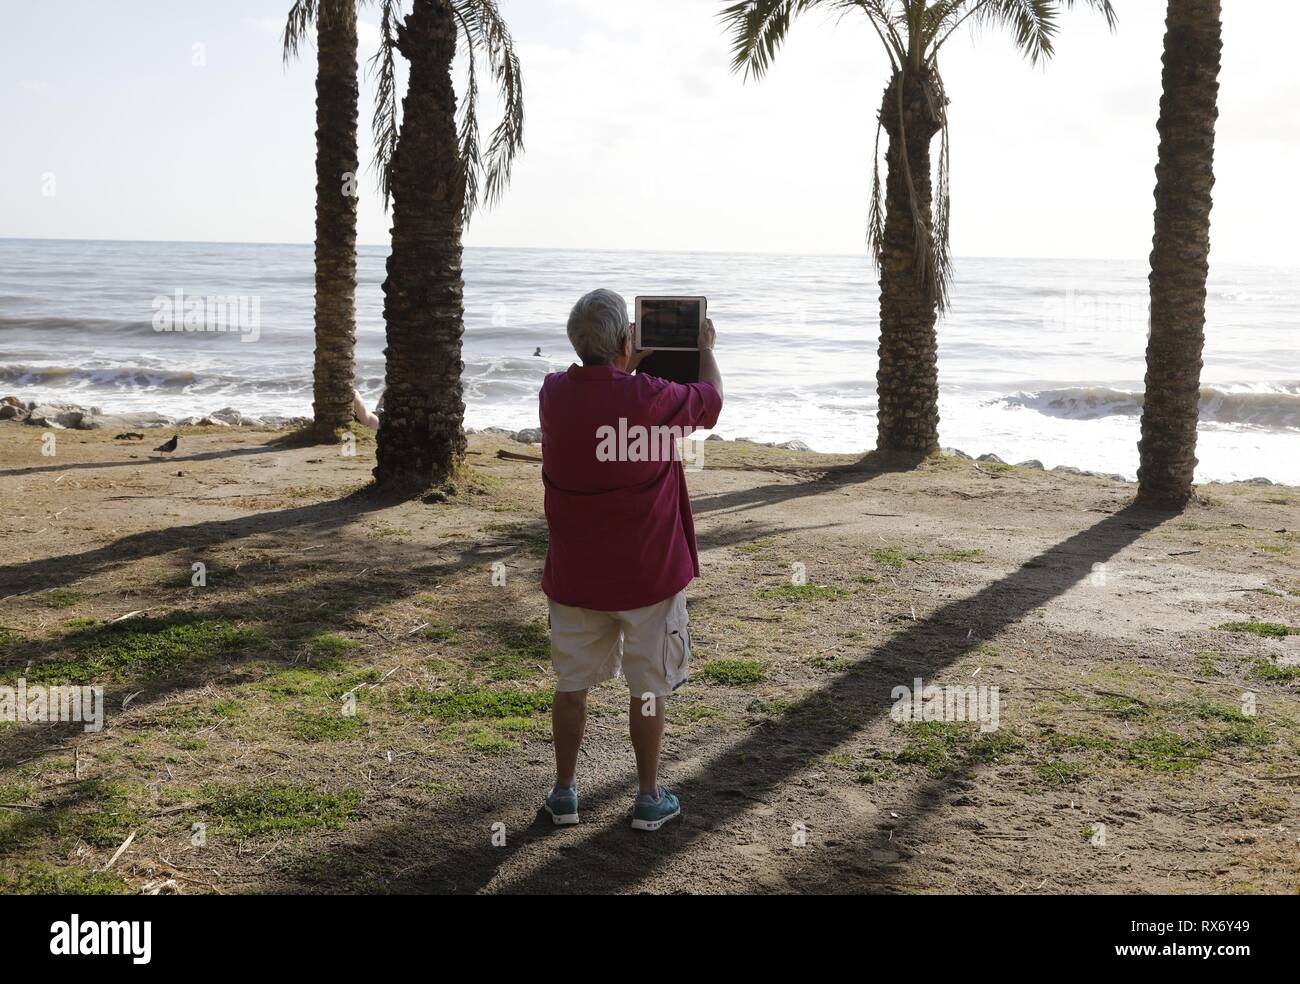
622,546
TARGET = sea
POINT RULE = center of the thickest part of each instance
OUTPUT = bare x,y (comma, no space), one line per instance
1038,359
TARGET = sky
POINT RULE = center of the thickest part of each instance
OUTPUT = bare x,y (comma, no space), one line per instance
167,120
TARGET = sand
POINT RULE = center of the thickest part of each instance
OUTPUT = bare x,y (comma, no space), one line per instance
1123,760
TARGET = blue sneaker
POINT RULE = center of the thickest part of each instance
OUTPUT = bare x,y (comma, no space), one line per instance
562,804
650,813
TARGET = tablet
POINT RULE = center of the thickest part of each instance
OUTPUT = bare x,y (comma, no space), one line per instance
669,324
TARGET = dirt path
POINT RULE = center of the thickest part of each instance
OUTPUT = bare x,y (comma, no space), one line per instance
1127,757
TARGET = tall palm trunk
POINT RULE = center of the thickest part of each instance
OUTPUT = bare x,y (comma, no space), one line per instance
336,213
1180,255
907,381
422,438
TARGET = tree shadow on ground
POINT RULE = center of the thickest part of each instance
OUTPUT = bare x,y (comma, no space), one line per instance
822,480
154,459
315,519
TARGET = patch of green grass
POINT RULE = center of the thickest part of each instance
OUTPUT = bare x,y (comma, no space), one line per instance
958,556
488,741
774,707
1161,750
734,672
441,789
61,597
9,637
76,624
1208,664
41,879
1056,772
755,548
330,648
1281,549
15,792
896,557
439,632
322,682
111,817
473,703
1122,706
146,647
328,727
1266,669
1269,630
804,592
251,811
871,773
530,726
940,747
191,744
1080,743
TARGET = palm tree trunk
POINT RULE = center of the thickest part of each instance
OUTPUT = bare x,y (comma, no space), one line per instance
336,214
907,380
421,438
1180,255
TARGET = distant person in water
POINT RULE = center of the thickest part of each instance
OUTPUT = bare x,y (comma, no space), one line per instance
364,417
538,352
622,541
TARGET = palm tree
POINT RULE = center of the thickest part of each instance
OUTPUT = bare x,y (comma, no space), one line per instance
907,233
1180,254
336,201
436,172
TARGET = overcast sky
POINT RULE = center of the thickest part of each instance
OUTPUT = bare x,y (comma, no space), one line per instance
638,135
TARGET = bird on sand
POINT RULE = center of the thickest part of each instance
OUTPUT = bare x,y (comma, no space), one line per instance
170,446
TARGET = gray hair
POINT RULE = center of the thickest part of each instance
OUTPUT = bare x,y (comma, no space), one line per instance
598,327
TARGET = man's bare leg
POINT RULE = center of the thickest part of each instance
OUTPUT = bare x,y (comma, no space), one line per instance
647,730
568,723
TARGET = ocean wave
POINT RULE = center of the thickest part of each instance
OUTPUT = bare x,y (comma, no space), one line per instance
142,378
86,327
1276,407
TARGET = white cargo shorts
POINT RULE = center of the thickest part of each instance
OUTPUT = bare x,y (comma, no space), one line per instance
651,646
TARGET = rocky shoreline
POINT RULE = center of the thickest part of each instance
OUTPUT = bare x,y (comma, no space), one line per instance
68,416
71,416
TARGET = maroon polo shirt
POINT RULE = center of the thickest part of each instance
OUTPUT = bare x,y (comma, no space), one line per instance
622,536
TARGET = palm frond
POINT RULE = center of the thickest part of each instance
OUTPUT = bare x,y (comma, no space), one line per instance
886,25
301,17
876,210
757,29
383,123
486,32
942,199
467,128
1033,24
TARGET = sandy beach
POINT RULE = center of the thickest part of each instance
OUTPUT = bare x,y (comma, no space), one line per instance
1146,665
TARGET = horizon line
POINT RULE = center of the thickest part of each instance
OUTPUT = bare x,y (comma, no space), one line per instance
551,249
628,249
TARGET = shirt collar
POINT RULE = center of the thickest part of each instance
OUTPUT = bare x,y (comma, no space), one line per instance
592,373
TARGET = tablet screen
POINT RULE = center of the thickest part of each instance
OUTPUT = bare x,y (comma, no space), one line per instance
670,323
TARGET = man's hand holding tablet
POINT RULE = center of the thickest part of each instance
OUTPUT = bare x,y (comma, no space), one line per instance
671,335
